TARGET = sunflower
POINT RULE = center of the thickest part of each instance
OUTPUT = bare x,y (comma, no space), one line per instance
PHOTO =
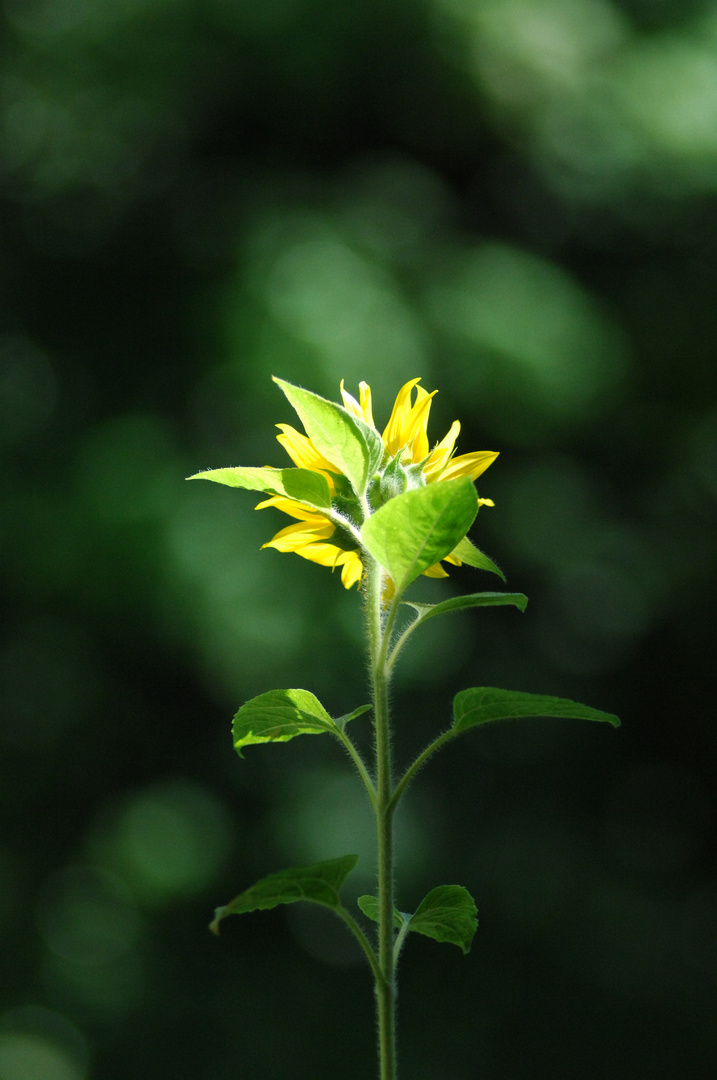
408,462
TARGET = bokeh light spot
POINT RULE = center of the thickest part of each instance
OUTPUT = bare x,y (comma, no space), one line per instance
171,840
37,1044
536,333
521,47
27,1057
669,87
551,511
330,815
393,208
91,929
345,305
87,917
128,470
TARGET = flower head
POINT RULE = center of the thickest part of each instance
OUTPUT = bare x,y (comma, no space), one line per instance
407,462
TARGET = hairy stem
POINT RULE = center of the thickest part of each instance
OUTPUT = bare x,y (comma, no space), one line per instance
362,940
360,766
418,764
378,634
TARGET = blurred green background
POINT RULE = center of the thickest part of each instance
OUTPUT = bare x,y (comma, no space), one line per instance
517,201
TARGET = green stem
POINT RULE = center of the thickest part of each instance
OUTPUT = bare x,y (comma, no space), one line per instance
360,765
401,641
418,764
378,635
400,938
362,940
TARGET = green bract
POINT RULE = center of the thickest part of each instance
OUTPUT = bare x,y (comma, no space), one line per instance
346,441
469,553
303,485
419,528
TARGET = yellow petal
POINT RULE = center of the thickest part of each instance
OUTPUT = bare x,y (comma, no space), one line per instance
365,399
323,554
392,436
351,403
409,421
441,454
418,424
302,451
471,465
361,409
352,569
294,509
332,556
435,571
295,537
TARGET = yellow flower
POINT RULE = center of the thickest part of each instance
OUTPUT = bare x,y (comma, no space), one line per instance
407,456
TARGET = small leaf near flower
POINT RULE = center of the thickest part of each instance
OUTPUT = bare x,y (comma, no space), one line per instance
419,528
469,554
458,603
301,485
346,441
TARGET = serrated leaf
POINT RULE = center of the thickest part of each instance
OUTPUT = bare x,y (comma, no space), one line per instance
280,715
369,906
319,883
447,913
470,554
346,441
458,603
302,485
483,704
419,528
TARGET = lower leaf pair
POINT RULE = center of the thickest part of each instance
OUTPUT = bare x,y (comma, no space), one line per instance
448,913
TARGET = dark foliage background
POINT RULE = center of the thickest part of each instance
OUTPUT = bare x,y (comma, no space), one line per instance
515,200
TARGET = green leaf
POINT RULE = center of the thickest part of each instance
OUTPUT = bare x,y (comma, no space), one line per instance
280,715
469,553
355,448
319,883
369,906
447,913
303,485
483,704
480,599
342,721
415,530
